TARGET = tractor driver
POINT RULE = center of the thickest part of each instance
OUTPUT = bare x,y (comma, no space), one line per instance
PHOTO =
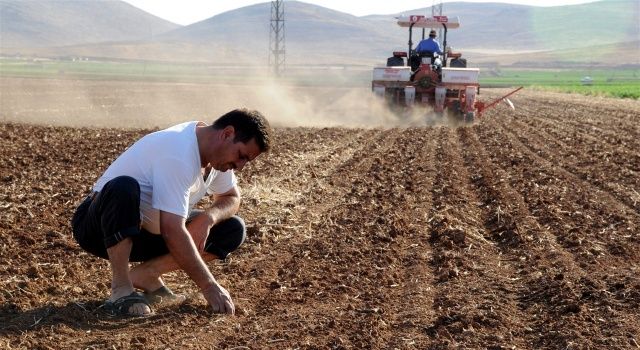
430,44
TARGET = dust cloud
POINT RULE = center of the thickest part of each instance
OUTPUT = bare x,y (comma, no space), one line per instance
325,107
136,104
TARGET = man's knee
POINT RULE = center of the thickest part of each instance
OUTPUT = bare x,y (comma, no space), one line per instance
118,205
226,237
122,186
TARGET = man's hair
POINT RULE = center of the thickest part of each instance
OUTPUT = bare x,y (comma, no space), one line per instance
248,124
432,34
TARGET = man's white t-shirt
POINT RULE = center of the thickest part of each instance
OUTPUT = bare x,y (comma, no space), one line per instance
167,166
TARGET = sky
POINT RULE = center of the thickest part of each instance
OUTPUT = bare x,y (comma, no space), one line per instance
186,12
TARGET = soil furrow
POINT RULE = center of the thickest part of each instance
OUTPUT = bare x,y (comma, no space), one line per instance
607,116
410,273
289,182
467,263
329,244
529,248
554,206
575,201
592,165
602,124
560,167
622,143
373,215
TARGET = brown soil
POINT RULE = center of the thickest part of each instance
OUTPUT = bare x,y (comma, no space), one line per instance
521,231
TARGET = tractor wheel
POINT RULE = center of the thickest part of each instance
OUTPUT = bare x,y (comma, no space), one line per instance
454,112
454,109
470,117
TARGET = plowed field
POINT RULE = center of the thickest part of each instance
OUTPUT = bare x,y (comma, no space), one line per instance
519,232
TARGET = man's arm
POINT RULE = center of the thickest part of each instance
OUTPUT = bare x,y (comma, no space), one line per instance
185,253
224,206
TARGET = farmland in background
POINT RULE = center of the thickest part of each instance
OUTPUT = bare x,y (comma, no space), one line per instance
614,82
519,231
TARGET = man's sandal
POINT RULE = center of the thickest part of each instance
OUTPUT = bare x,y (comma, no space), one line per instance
121,306
163,295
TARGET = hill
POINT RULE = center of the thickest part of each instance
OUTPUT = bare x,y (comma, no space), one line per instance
517,27
314,33
317,35
46,23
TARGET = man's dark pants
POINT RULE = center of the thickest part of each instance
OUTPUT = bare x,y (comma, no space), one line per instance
105,218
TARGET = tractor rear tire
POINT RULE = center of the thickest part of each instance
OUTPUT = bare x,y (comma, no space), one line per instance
454,112
458,63
470,117
454,109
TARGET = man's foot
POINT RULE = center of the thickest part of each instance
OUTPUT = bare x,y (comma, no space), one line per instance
145,279
133,304
164,295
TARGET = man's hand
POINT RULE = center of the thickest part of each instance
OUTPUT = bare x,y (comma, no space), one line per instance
219,299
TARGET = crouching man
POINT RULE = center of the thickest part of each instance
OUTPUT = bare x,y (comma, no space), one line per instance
141,209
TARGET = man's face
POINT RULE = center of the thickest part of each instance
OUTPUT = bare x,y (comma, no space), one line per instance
235,155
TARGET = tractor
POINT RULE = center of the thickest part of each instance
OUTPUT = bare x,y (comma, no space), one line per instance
427,79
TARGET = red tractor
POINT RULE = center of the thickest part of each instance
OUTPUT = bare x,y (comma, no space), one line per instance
442,82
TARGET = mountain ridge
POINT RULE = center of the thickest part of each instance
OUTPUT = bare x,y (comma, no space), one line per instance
314,34
43,23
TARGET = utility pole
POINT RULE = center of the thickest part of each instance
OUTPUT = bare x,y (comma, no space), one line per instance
276,38
436,10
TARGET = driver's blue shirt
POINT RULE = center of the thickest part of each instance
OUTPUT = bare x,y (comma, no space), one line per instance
429,44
